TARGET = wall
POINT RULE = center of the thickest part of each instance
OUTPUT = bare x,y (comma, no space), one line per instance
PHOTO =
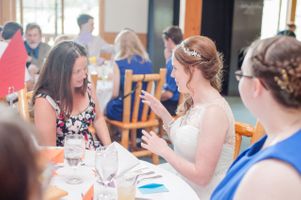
232,24
217,16
246,28
119,14
160,16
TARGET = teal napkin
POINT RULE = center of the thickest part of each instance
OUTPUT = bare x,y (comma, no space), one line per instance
152,188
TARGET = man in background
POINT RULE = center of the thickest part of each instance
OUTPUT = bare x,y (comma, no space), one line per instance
95,45
36,49
290,31
172,36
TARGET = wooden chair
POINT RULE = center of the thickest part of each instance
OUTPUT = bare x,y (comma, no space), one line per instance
94,78
24,98
247,130
154,82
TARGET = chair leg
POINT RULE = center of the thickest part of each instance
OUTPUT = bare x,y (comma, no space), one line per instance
133,139
160,127
125,138
155,159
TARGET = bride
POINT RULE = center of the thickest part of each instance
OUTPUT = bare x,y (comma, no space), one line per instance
203,135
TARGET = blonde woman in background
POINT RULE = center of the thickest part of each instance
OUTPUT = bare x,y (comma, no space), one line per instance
130,54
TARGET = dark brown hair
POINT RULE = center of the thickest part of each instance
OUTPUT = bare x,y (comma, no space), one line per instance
174,33
209,62
276,62
55,76
19,170
83,19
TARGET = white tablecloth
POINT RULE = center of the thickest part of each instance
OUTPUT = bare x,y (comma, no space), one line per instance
178,188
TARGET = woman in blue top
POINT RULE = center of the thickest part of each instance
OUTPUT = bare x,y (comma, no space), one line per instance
130,54
270,87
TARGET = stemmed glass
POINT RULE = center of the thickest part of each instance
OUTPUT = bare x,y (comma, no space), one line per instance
74,148
106,165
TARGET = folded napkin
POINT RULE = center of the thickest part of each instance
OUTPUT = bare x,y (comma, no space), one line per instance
89,195
126,160
152,188
53,155
54,193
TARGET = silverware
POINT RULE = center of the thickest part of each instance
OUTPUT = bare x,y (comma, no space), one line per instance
149,177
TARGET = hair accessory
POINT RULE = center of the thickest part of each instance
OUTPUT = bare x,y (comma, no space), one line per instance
283,82
189,52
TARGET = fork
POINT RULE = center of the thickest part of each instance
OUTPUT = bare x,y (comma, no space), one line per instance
149,177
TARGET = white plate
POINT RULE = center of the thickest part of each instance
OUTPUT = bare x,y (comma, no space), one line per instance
81,171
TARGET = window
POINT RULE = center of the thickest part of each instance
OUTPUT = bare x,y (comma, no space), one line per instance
298,20
56,16
273,20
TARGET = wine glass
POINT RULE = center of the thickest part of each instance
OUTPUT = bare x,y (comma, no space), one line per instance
106,164
74,148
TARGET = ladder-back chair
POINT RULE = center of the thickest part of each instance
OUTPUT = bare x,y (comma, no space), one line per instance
24,98
247,130
130,121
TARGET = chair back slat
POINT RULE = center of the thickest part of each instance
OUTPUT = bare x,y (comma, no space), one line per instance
150,86
258,132
94,78
128,98
137,101
158,89
24,99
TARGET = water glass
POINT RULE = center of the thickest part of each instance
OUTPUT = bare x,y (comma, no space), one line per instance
126,187
106,164
74,148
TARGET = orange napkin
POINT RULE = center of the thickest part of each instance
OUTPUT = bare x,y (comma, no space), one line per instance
54,193
89,195
53,155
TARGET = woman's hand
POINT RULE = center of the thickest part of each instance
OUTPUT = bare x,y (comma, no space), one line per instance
154,143
156,107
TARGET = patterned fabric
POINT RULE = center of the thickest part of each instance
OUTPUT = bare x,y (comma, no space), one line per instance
75,123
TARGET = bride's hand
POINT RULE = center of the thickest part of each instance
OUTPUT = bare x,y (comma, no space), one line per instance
156,106
154,143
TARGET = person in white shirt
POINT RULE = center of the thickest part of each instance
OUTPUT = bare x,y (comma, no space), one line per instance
95,45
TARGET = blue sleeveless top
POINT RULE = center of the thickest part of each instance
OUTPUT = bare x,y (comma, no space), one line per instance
287,151
114,109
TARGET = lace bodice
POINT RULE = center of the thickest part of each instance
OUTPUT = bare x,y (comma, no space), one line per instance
184,134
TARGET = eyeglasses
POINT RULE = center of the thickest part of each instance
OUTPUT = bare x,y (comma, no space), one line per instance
239,75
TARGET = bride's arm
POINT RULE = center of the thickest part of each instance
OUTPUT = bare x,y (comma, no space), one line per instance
157,107
213,126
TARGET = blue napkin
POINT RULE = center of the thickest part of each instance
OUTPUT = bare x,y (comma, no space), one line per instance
152,188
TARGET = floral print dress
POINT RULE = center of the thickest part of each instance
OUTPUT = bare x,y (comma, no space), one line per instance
75,124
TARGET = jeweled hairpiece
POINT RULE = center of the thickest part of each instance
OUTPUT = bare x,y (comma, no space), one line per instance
190,52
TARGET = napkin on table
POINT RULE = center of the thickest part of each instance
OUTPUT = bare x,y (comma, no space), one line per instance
54,193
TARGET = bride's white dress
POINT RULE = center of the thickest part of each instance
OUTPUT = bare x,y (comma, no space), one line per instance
184,134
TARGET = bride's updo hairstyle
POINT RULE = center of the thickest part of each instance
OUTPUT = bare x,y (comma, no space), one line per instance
276,62
199,52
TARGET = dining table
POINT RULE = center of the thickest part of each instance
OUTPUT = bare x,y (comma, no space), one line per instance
175,186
